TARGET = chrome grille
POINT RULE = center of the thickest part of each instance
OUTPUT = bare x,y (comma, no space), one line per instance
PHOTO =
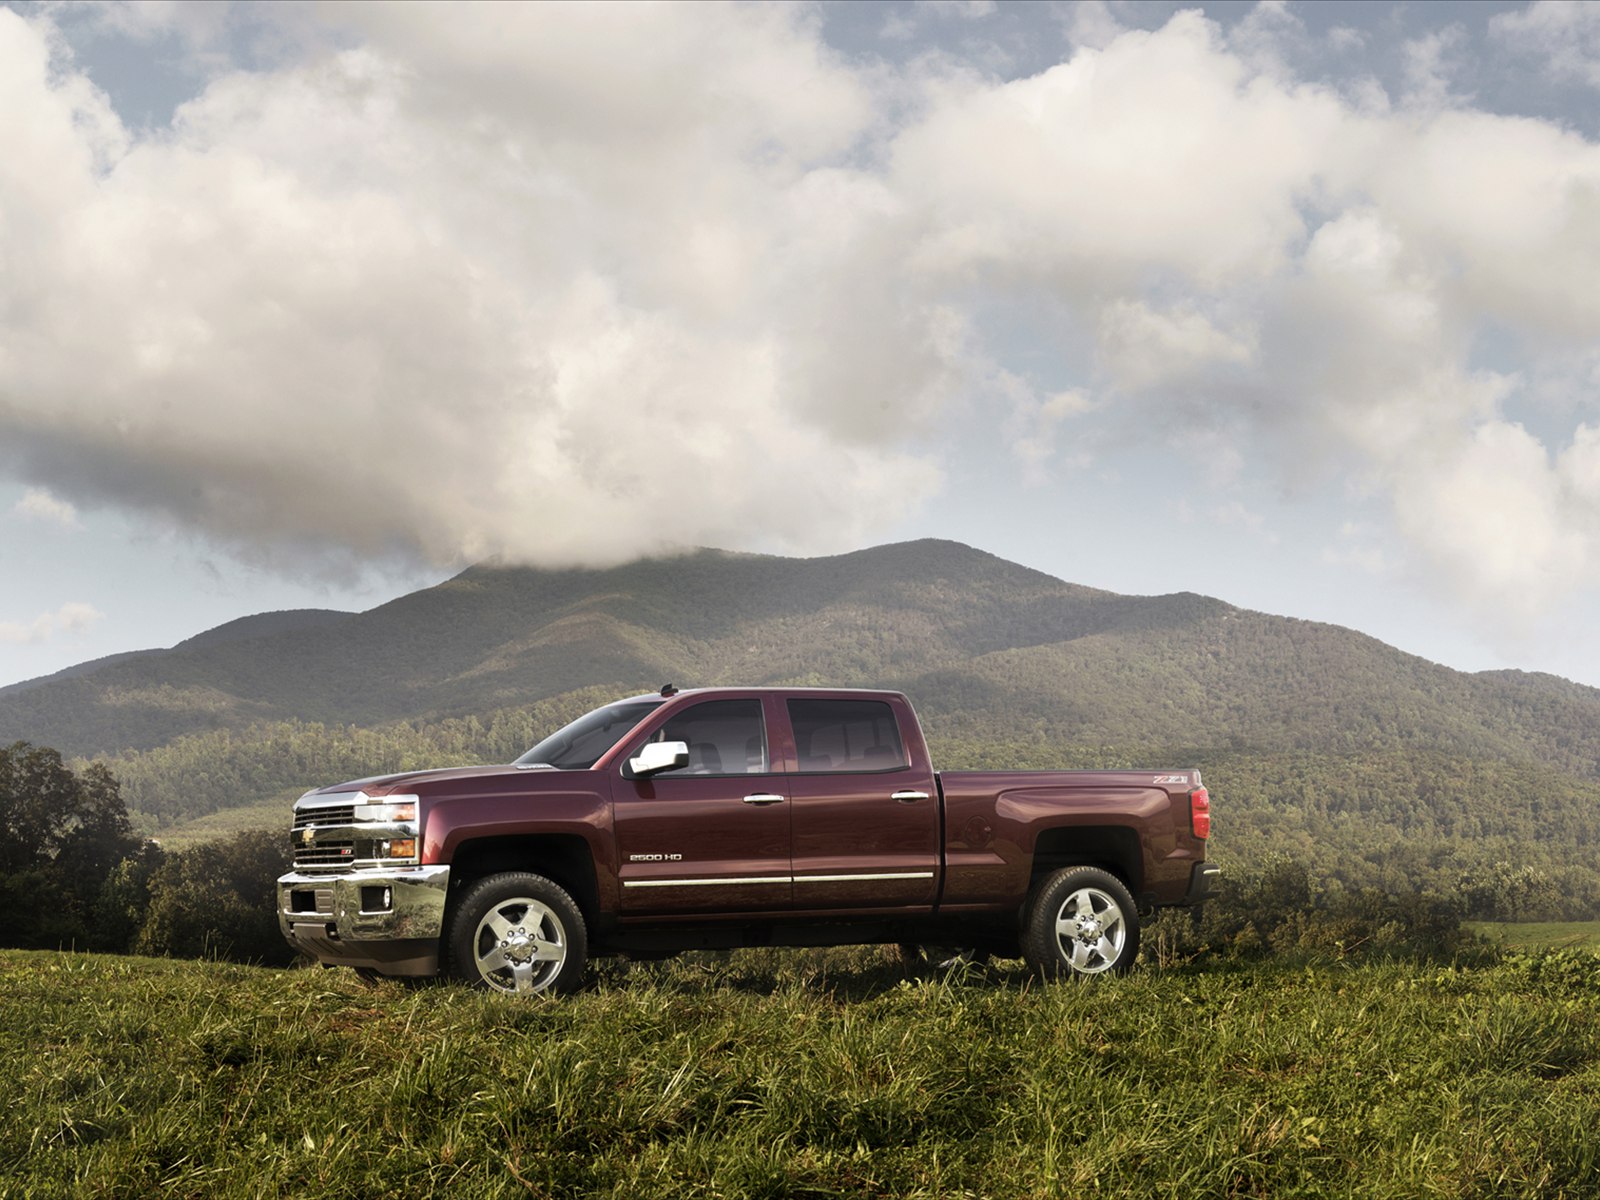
344,814
325,854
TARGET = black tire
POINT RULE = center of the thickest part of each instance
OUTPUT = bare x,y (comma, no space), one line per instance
518,933
1081,921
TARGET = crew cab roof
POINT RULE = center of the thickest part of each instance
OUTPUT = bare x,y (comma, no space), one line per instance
765,690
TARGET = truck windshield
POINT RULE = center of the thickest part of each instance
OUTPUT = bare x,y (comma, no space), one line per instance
578,746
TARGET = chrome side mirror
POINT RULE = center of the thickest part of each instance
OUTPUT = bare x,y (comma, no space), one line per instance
656,757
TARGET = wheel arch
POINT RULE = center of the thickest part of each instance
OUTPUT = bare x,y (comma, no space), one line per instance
564,859
1113,848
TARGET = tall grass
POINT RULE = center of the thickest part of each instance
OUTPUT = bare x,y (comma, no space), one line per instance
768,1074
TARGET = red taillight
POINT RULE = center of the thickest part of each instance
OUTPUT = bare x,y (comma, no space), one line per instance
1200,812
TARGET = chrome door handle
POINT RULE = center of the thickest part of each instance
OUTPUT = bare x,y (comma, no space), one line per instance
909,797
763,798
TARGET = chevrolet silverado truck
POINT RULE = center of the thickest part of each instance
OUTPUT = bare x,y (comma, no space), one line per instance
727,817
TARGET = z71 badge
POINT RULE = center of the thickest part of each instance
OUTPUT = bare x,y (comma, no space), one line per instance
1180,780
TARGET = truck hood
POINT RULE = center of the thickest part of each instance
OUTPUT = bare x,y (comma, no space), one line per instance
423,782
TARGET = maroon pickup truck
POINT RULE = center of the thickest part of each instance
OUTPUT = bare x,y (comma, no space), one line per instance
729,817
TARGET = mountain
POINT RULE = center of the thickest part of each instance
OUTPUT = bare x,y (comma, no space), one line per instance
243,629
72,672
269,624
983,646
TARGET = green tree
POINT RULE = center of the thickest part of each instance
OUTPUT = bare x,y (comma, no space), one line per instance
124,900
39,801
1510,892
219,900
61,835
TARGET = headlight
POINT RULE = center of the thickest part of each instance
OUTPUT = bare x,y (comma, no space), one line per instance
389,811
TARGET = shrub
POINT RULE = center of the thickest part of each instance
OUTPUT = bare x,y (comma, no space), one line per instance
1275,910
219,900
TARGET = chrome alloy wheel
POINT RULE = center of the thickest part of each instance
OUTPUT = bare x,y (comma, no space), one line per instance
1091,930
519,946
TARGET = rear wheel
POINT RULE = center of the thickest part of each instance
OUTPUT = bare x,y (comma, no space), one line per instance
518,933
1081,921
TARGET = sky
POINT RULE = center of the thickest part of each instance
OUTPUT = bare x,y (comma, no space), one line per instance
311,305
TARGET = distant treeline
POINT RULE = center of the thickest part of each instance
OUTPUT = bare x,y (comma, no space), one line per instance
1510,840
73,874
202,773
1396,820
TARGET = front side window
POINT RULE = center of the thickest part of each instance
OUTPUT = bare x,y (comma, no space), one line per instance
725,737
846,735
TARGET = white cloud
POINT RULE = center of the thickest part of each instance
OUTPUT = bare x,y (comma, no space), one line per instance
1143,348
902,24
572,282
1158,153
564,284
1431,66
1092,24
1276,262
1268,37
1580,465
41,505
1490,509
1564,33
1344,39
1033,422
71,618
199,25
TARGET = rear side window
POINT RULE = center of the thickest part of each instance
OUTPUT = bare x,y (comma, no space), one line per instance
725,737
846,735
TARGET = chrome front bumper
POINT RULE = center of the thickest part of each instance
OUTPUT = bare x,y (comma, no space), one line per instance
387,919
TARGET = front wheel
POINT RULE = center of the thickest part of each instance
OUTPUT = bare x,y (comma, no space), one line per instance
1081,921
518,933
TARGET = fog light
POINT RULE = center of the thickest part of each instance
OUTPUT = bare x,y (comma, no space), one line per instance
376,899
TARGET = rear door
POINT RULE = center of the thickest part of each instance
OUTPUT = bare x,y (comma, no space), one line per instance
866,812
712,836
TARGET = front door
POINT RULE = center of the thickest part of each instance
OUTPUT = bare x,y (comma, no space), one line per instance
712,836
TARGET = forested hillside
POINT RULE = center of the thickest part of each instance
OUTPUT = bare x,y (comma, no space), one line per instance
983,645
1317,740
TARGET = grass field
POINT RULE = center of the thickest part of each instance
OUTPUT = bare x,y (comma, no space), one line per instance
768,1074
1540,935
270,814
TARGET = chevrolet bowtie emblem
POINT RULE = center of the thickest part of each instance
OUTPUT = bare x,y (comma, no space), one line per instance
309,836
